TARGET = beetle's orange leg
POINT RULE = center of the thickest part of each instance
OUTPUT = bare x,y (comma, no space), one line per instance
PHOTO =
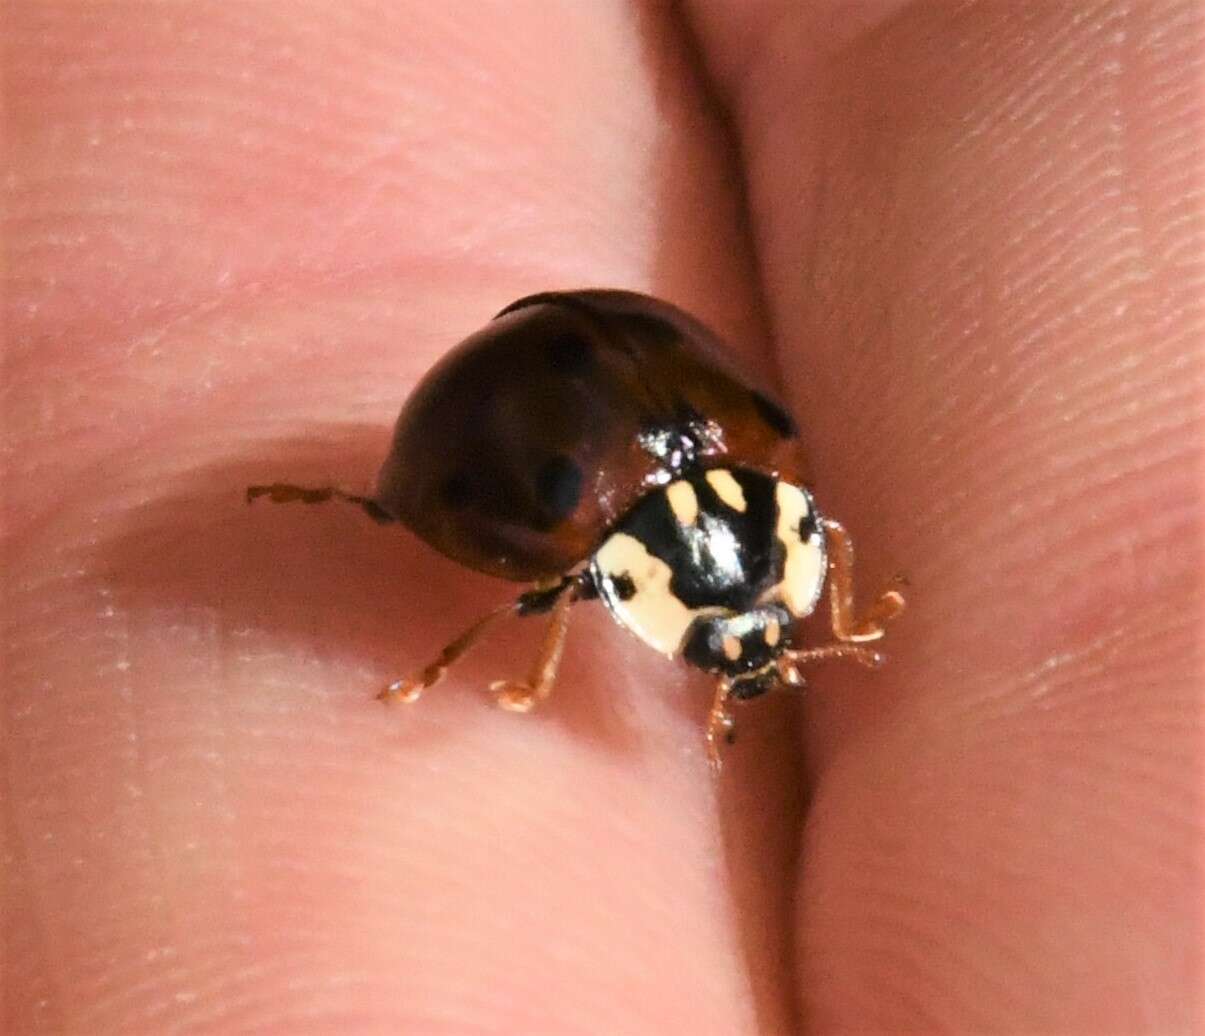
411,688
851,633
720,724
847,628
555,596
285,492
789,661
516,696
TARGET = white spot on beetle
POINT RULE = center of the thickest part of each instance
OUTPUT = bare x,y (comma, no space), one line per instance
804,569
683,501
727,488
653,612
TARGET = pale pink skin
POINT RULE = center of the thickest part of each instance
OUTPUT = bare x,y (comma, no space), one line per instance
966,239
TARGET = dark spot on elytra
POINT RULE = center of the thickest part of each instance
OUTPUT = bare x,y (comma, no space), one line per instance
570,355
559,487
456,490
623,586
774,415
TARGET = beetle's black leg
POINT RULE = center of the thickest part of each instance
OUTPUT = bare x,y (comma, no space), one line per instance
870,624
516,696
720,725
541,599
284,492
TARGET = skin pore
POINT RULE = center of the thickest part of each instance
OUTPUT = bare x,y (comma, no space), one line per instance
965,239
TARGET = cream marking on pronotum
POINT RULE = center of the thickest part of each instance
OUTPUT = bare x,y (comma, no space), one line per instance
732,648
804,568
653,612
683,501
773,632
727,488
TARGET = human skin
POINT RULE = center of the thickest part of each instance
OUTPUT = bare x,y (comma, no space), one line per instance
965,238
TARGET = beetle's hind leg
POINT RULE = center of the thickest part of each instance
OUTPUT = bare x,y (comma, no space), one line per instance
285,492
848,627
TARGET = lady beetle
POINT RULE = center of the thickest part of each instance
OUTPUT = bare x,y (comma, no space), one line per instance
601,444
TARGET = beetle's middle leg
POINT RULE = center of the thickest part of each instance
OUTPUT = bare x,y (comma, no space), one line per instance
410,688
523,696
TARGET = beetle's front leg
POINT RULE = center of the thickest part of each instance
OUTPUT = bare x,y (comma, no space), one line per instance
519,697
410,688
719,722
522,696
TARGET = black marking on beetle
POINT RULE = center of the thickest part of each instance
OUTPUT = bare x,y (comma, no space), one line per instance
624,587
702,647
809,527
774,415
541,599
726,558
570,354
559,487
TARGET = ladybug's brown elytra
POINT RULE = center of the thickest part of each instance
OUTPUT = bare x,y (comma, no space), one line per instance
602,443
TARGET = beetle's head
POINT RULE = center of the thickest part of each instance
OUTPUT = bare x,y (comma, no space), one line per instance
743,646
